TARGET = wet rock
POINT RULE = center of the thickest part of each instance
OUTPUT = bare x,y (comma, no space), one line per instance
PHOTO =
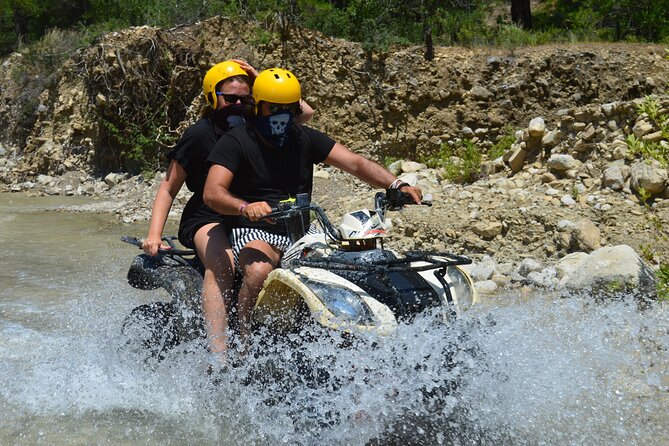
528,266
546,278
486,287
568,264
611,270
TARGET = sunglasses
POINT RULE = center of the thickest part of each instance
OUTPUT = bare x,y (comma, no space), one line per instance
293,108
233,98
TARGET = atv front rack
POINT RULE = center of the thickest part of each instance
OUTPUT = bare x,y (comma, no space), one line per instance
434,260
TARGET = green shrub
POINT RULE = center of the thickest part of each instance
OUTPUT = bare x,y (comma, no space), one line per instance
136,146
652,150
662,275
461,162
49,53
502,145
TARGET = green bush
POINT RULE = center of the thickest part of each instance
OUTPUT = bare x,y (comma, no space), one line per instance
502,145
56,46
461,162
662,275
652,150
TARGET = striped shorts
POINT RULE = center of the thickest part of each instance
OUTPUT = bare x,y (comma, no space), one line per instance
241,236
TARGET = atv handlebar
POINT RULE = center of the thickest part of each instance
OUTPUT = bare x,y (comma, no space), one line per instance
174,250
392,199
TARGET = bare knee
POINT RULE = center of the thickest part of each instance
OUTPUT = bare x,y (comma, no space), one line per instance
255,273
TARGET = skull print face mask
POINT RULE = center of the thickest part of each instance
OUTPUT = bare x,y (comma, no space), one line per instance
274,128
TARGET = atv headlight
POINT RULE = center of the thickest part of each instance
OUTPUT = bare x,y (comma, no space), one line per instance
342,302
460,287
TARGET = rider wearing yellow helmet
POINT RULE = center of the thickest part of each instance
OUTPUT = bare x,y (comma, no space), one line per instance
254,168
227,91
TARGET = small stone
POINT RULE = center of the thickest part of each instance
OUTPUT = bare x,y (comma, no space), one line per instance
488,229
481,93
562,162
642,128
537,128
567,200
528,266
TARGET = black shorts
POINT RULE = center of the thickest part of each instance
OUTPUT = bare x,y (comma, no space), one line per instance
189,227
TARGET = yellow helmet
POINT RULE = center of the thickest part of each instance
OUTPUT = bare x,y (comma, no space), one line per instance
276,85
216,74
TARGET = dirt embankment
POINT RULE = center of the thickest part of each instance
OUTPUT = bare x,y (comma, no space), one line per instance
61,126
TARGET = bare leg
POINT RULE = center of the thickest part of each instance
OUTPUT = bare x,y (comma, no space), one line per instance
213,248
257,259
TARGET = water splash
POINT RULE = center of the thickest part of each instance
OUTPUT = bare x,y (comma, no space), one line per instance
538,371
525,371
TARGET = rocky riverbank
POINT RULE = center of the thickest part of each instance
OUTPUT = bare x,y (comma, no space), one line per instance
547,213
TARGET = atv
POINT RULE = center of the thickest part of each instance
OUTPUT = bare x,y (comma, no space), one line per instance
342,278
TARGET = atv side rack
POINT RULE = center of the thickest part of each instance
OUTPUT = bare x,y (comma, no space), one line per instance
433,260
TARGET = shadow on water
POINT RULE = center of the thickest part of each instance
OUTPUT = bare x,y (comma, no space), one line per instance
538,371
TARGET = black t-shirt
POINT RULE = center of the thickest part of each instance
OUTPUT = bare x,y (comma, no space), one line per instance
264,173
191,152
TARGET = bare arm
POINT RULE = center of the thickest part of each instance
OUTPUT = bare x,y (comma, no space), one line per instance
218,197
168,189
368,171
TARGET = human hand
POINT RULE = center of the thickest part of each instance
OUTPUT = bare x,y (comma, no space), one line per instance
415,192
152,244
256,211
252,72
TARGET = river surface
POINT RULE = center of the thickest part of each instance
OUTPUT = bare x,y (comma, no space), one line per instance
535,370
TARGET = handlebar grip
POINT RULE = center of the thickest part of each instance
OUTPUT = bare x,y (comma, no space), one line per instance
132,240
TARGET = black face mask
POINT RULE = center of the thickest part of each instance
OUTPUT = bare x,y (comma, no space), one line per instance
228,117
275,128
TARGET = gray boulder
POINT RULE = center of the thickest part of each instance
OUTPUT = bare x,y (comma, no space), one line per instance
613,178
562,162
650,177
611,270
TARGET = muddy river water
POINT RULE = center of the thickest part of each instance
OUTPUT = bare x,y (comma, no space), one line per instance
520,371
